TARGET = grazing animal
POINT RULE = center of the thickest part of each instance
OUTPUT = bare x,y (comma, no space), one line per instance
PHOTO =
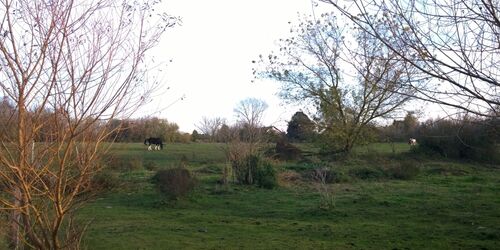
153,142
412,141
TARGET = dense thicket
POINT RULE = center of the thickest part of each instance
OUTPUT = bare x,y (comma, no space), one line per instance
461,139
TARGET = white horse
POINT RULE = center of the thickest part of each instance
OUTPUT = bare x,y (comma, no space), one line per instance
412,141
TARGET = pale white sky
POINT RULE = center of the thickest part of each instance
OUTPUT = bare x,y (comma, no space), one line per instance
212,53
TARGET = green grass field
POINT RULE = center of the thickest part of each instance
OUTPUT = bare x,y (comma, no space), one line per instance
448,205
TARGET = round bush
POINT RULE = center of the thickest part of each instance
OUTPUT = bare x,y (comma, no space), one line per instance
404,171
174,182
105,180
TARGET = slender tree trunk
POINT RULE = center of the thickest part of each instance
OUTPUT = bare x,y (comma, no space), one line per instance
15,220
15,223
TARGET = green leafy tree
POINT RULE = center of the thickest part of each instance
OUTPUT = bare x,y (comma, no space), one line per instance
410,123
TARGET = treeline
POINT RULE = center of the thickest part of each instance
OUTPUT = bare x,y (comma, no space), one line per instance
473,138
467,138
120,130
137,130
241,132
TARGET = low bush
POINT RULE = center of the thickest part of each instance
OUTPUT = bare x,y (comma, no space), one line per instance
105,180
287,151
265,176
404,170
174,182
327,175
150,165
132,164
366,173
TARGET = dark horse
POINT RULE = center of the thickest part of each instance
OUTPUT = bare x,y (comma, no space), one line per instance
156,142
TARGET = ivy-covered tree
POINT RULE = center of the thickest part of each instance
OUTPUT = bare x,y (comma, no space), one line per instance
194,135
300,128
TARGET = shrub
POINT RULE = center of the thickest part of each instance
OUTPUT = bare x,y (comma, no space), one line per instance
405,170
265,176
327,175
174,182
366,173
132,164
244,169
151,165
287,151
253,169
105,180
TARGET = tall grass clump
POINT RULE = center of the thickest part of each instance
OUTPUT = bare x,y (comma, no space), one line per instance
121,163
150,165
174,183
322,177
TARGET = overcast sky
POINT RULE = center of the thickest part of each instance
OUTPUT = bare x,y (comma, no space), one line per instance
212,53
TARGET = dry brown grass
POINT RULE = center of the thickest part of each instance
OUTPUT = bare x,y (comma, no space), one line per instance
289,178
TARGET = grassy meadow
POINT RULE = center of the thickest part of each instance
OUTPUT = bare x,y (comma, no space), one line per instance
445,205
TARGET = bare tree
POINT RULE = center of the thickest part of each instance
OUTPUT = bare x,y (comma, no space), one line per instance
210,126
454,43
350,78
250,113
68,68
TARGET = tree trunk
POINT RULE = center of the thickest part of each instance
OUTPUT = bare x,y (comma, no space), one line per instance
15,222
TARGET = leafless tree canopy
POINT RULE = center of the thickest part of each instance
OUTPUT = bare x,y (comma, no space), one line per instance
66,69
250,111
210,126
454,43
